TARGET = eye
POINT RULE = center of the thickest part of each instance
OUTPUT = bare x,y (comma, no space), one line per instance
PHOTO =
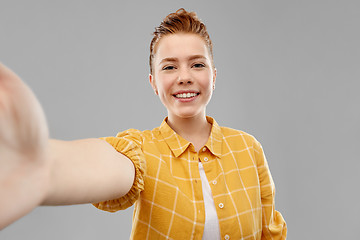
170,67
199,65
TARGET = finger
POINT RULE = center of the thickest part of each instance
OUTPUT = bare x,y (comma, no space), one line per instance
7,75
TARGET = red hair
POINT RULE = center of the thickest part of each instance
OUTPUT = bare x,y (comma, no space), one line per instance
179,22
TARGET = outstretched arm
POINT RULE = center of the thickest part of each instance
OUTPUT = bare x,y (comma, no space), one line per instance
35,170
87,171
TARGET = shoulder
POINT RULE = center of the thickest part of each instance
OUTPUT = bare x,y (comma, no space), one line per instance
240,138
131,134
139,136
231,133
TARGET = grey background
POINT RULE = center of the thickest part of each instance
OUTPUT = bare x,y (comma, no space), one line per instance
288,73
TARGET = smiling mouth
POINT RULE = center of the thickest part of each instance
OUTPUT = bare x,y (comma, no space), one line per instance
186,95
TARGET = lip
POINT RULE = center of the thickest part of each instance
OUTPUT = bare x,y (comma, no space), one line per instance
185,91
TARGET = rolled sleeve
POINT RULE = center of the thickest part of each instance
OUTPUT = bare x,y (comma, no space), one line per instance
128,143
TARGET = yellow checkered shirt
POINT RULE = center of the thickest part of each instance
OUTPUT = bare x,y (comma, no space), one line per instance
167,190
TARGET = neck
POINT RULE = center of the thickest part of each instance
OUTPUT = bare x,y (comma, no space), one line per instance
194,129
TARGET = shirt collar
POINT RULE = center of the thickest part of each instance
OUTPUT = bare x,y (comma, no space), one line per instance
178,144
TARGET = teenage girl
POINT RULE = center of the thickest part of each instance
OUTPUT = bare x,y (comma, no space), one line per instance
188,178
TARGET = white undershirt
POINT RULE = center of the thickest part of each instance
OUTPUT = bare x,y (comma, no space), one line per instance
211,229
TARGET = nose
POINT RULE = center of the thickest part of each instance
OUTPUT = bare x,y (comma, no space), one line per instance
184,77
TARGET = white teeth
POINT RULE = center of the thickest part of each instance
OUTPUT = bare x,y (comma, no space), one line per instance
186,95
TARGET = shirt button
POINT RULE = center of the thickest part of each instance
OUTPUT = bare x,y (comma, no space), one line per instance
226,237
206,159
221,205
204,149
214,182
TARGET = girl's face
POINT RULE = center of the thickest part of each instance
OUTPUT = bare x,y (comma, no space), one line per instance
183,75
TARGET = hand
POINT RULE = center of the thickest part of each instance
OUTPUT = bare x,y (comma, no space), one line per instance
23,147
23,128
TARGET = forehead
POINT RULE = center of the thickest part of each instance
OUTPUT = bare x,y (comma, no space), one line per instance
180,45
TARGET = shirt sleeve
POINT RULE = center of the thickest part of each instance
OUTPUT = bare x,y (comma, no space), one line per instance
274,225
128,143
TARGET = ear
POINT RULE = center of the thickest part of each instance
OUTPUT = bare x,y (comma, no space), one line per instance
153,84
214,78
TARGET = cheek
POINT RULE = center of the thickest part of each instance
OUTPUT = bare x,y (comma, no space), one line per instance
206,81
164,84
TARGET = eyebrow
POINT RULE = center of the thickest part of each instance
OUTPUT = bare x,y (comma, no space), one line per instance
173,59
